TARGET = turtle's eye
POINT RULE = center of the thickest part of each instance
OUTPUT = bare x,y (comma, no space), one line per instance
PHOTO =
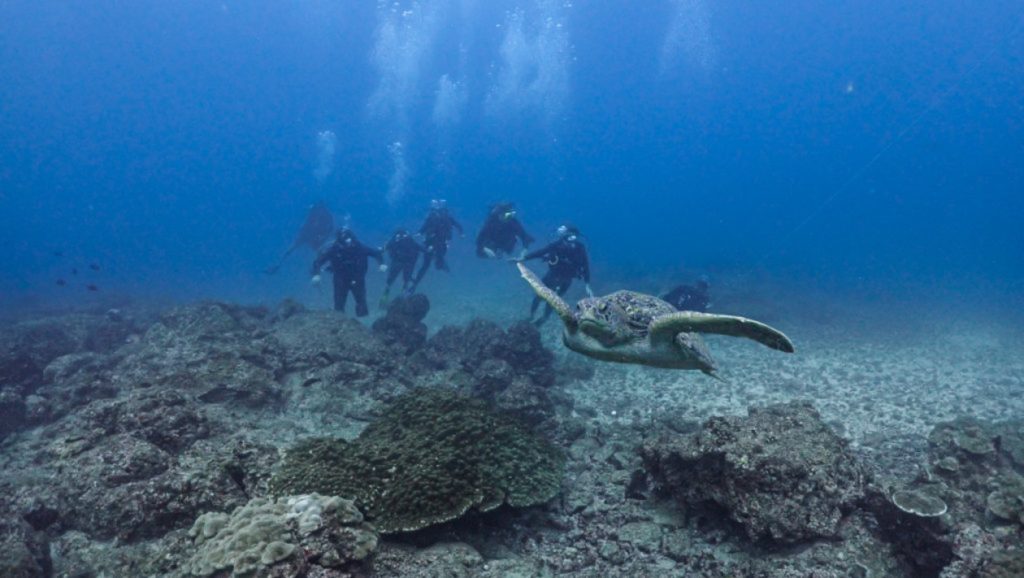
602,307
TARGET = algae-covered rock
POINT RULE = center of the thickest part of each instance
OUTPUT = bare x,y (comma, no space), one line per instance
1006,502
1011,441
432,456
520,347
780,472
915,520
1005,505
966,439
27,348
1009,564
280,537
402,326
24,553
218,351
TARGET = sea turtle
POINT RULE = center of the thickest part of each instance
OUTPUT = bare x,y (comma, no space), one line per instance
630,327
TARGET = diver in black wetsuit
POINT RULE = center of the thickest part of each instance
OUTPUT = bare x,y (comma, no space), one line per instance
567,259
402,251
437,232
348,260
690,297
500,232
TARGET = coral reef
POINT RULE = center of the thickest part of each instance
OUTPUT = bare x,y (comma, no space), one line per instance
283,537
780,472
121,429
429,458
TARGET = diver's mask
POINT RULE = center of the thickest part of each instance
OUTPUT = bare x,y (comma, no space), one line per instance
508,215
438,204
566,233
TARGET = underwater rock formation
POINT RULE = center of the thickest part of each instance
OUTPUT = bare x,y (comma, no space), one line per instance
140,432
509,368
780,473
27,348
520,347
323,347
912,520
135,468
978,468
218,351
284,537
13,412
432,456
403,325
40,353
963,514
24,552
136,437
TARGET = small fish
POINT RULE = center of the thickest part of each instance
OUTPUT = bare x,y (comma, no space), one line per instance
61,282
92,288
94,266
74,271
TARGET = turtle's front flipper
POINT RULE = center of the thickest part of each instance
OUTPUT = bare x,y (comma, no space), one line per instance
668,325
545,293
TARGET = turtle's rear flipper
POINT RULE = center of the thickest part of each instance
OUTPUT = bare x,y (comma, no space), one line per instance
545,293
668,325
694,347
714,375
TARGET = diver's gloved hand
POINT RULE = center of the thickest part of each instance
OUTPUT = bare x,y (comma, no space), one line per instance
383,268
590,292
490,253
315,280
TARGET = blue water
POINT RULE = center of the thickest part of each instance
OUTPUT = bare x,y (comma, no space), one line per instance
175,144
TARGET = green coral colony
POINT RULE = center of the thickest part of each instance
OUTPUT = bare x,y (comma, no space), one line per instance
432,456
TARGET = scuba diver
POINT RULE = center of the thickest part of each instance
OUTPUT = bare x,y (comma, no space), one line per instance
402,251
437,232
348,260
567,260
690,297
500,231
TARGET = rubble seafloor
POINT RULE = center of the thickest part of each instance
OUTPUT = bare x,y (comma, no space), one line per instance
139,442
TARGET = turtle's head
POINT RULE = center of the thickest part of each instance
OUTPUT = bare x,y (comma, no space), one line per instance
602,321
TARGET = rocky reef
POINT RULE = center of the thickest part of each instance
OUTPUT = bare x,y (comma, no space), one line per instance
220,440
780,473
